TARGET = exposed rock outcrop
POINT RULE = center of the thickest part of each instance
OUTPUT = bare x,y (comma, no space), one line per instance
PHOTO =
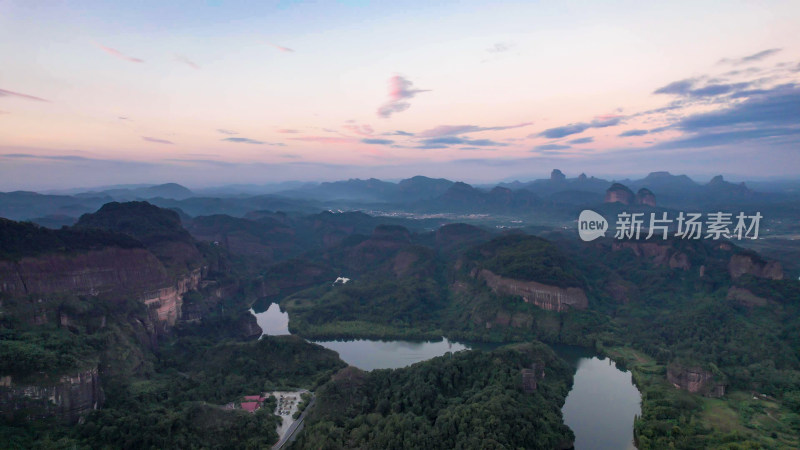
551,298
111,272
69,397
619,193
531,376
91,273
166,302
744,263
645,197
695,380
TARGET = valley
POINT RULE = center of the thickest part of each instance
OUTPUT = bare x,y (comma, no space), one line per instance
142,322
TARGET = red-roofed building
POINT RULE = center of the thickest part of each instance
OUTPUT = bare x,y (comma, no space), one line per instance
254,398
251,406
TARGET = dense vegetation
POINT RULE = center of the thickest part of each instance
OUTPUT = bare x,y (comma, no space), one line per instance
166,391
21,239
528,258
672,315
147,223
464,400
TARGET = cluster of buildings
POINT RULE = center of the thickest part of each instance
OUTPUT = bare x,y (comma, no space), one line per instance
253,403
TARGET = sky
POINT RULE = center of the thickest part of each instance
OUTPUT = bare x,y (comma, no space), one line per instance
217,92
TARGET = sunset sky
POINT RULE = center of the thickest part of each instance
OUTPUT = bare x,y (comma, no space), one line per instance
216,92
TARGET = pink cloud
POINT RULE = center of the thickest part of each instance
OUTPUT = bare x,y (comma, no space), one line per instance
118,54
187,61
400,90
5,93
326,139
361,130
283,49
452,130
287,131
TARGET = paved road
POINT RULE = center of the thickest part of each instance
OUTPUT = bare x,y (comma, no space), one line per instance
296,426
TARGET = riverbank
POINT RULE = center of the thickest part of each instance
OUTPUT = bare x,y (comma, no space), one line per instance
694,421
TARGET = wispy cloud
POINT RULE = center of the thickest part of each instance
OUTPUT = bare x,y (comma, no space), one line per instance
755,57
630,133
575,128
156,140
378,141
551,147
451,130
400,90
584,140
448,141
500,47
778,106
228,132
398,133
326,139
281,48
48,157
361,130
689,88
118,54
243,140
187,61
287,131
5,93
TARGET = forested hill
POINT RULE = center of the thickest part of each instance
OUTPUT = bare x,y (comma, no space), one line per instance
470,399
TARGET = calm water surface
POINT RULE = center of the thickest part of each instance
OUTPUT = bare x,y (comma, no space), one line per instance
600,407
602,403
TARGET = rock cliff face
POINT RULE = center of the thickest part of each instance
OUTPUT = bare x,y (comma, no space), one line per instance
90,273
645,197
747,264
551,298
695,380
69,397
109,272
619,193
166,302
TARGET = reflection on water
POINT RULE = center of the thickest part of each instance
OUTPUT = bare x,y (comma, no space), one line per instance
600,407
602,404
368,355
364,354
273,321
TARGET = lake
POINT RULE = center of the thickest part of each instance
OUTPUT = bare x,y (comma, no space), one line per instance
600,408
364,353
603,401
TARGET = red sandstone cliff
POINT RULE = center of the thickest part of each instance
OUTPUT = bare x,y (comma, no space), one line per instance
746,264
551,298
68,397
91,273
695,380
111,272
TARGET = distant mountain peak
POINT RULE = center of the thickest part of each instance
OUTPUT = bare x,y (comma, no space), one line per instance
557,176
